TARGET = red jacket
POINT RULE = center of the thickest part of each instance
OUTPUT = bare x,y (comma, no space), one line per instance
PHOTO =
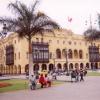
42,80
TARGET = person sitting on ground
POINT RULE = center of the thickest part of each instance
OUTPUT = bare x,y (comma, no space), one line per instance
42,81
33,82
48,81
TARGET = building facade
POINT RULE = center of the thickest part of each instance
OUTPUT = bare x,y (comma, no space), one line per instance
62,51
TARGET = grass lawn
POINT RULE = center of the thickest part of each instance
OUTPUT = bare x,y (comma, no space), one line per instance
93,73
18,84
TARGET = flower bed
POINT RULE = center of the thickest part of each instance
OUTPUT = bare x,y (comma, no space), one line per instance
4,84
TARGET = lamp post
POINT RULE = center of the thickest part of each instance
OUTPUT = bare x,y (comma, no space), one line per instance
66,55
54,68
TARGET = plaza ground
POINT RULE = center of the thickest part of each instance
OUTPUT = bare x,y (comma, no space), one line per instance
87,90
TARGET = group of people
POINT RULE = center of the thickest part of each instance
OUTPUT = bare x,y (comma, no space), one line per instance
78,75
43,80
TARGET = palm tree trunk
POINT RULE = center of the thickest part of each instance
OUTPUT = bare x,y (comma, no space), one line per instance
30,59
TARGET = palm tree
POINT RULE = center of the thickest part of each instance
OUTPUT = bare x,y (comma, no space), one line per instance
92,34
28,23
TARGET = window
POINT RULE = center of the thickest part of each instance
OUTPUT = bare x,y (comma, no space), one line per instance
58,53
74,43
27,55
63,42
75,54
50,55
15,56
69,42
64,53
58,41
10,55
37,39
80,54
15,41
87,55
50,41
19,55
70,55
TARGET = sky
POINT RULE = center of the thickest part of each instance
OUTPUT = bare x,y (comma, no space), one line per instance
80,11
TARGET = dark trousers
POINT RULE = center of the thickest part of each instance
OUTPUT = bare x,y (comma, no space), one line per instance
81,78
33,86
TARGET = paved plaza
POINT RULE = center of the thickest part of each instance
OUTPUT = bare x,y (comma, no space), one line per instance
87,90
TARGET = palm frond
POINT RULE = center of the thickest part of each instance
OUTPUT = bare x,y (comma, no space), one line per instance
28,23
92,34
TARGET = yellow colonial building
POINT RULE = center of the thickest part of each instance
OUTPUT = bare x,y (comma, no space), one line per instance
62,51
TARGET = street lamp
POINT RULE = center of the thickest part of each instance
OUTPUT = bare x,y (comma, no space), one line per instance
66,55
54,68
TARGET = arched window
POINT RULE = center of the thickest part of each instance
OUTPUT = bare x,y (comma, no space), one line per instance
51,67
70,66
36,67
19,69
59,66
64,53
81,65
80,54
76,66
58,54
75,54
44,67
65,67
70,55
87,65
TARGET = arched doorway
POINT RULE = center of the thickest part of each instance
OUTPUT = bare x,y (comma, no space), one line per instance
44,67
65,67
36,68
92,65
87,65
27,69
11,69
81,65
96,65
1,68
15,70
70,66
59,67
19,69
51,67
76,65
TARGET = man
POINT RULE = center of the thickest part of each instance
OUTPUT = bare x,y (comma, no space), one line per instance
81,75
33,82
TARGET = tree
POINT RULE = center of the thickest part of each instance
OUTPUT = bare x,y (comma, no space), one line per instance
27,23
92,34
